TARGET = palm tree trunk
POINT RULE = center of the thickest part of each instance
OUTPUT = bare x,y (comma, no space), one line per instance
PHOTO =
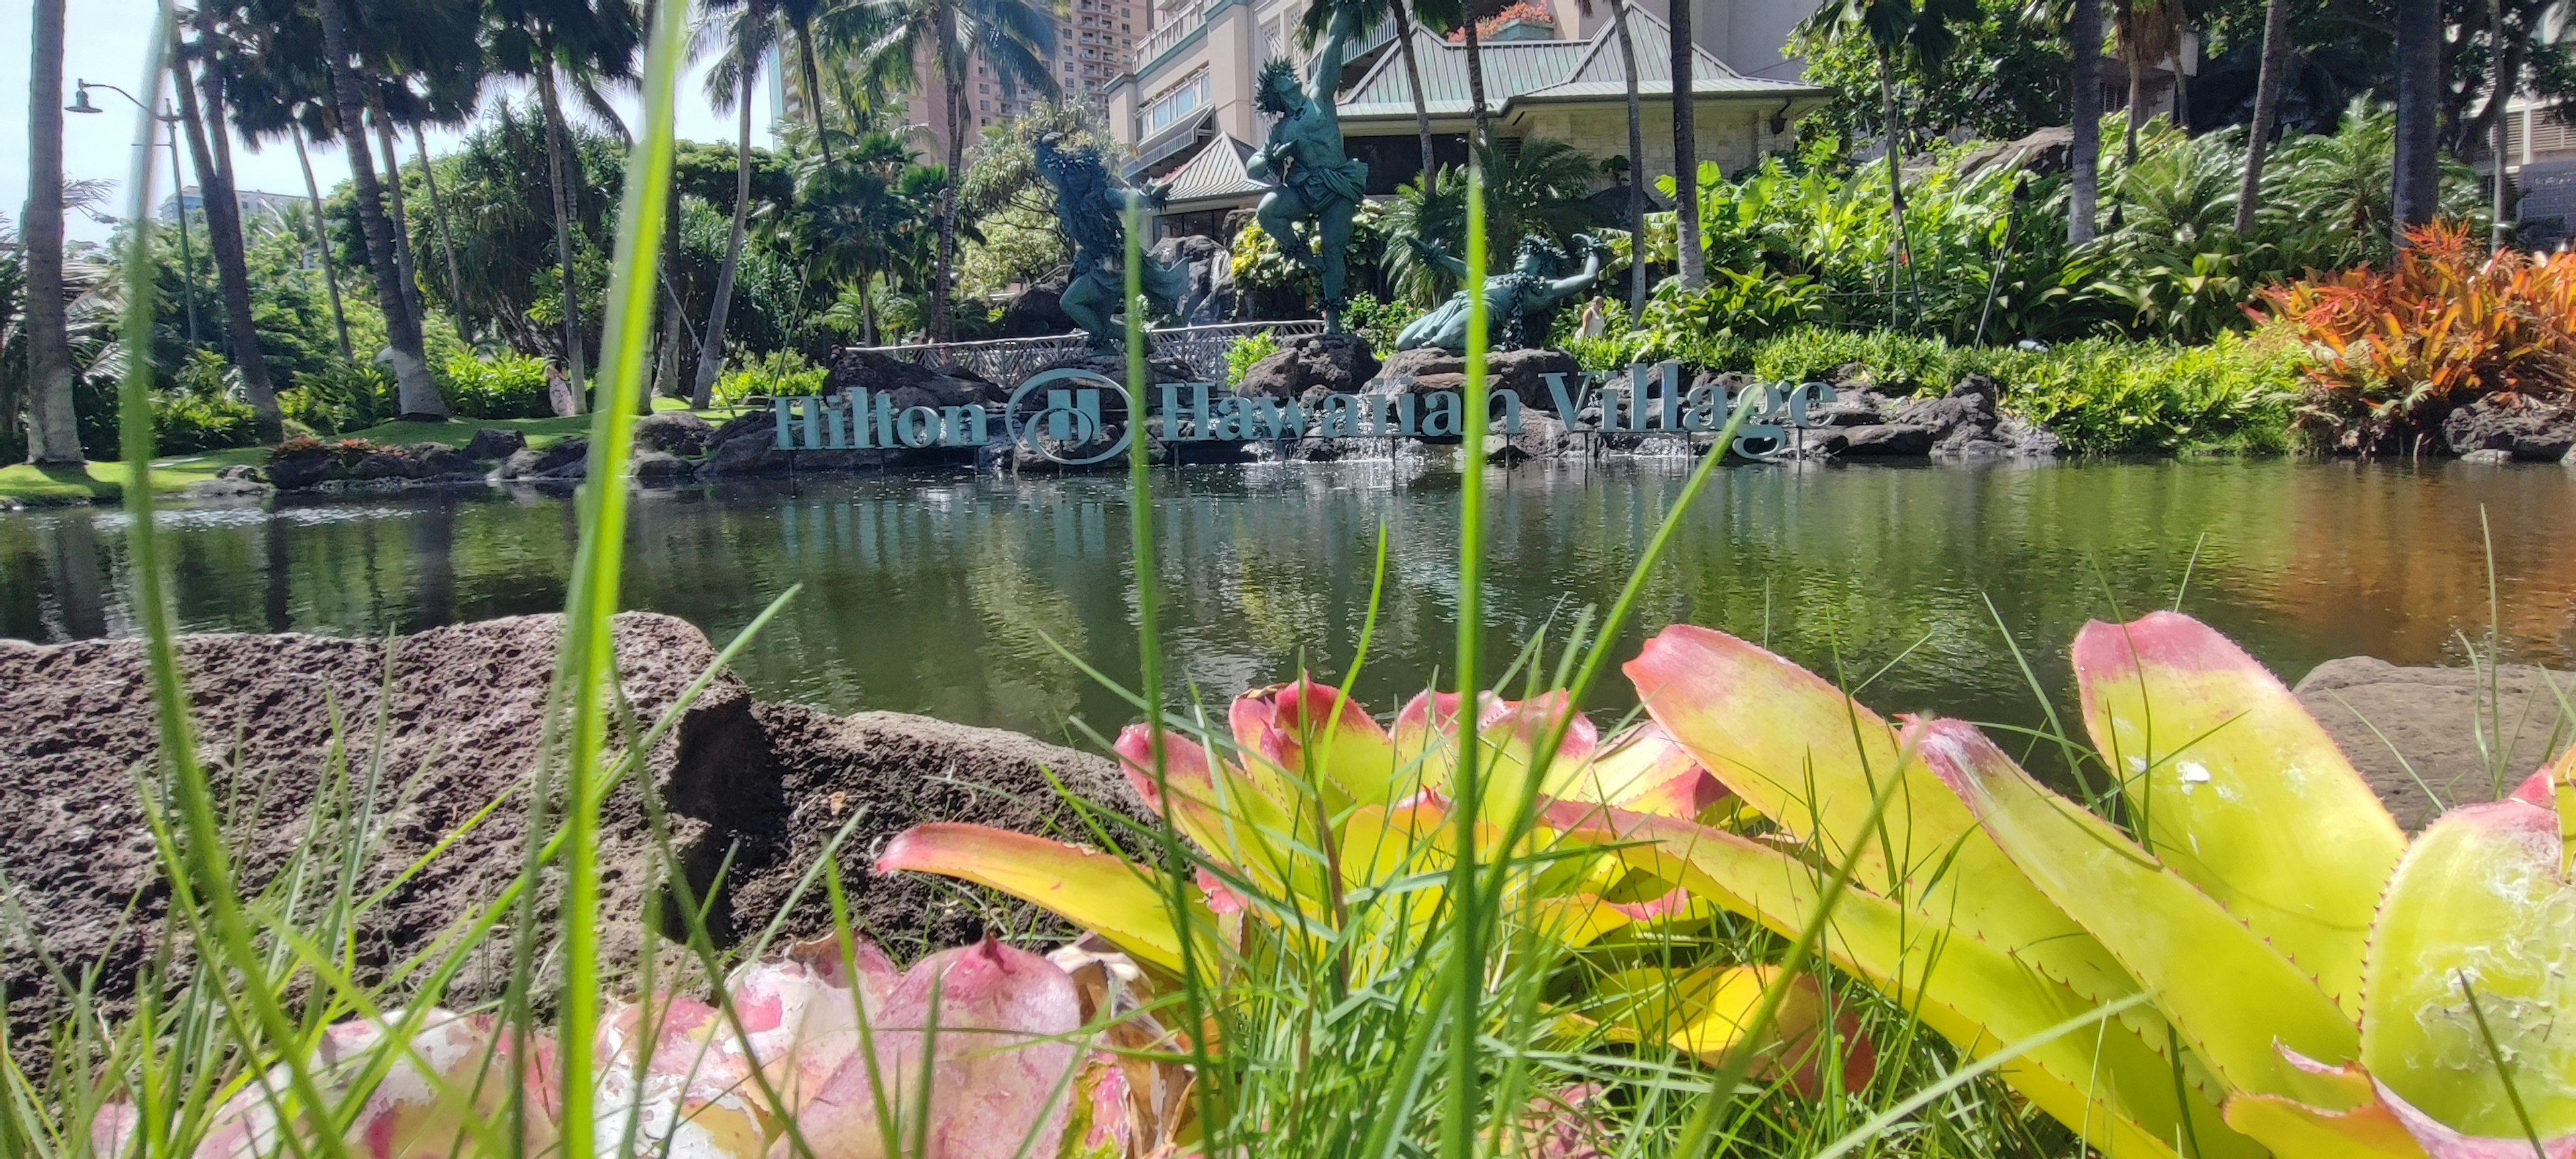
559,176
1900,260
402,216
2084,112
53,426
1476,83
224,235
322,246
953,90
1691,262
1413,79
702,392
2137,106
1636,164
2417,192
2267,110
438,216
813,88
415,392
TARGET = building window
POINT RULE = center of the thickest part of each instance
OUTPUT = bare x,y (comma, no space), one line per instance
1172,104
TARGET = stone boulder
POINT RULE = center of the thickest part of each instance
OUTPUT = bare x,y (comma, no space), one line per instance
1210,266
2389,719
747,445
1312,363
564,459
494,444
1519,372
908,383
1543,436
673,432
1875,441
1038,312
2531,431
299,464
659,467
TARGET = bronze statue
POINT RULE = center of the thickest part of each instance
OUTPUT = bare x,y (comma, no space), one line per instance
1092,206
1520,304
1313,178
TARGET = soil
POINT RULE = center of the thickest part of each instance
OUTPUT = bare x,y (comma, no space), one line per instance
446,723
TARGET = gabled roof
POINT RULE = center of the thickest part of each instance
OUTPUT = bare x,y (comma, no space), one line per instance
1528,72
1217,173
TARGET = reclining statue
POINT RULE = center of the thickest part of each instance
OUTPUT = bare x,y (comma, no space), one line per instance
1520,304
1092,206
1313,177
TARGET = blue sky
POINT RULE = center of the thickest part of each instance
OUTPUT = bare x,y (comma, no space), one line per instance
104,41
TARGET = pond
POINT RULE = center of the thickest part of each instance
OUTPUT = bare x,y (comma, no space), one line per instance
950,595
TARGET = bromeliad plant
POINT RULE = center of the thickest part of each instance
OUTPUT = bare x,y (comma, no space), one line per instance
2288,973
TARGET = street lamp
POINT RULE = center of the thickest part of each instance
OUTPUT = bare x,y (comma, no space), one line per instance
178,190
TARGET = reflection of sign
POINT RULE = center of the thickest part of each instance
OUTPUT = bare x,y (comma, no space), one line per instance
1075,416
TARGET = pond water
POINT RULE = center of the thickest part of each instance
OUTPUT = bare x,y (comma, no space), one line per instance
941,595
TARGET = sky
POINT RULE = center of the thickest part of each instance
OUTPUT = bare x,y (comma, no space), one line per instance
104,41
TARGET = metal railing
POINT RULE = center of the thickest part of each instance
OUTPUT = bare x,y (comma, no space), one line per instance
1161,40
1008,360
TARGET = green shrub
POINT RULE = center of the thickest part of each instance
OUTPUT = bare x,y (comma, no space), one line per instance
779,373
1378,322
184,424
2115,397
506,386
342,396
1246,352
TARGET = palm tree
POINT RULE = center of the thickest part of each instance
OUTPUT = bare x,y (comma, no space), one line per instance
559,42
322,247
223,214
1319,21
799,16
2267,110
438,216
415,392
747,40
53,430
2084,112
2419,94
1636,156
1690,261
1016,39
2149,31
1543,189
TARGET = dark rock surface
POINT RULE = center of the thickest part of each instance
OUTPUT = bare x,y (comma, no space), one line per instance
566,459
748,445
493,444
1521,372
910,383
659,467
1211,276
2532,431
765,785
673,432
2378,712
299,464
1330,363
1038,312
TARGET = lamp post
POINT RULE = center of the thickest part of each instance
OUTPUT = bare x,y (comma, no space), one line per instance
178,191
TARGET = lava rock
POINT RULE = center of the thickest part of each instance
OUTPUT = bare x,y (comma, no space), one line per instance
568,459
1542,436
493,444
1519,372
659,467
1880,440
1038,312
1210,266
673,432
908,383
1311,363
747,445
2530,431
239,473
300,464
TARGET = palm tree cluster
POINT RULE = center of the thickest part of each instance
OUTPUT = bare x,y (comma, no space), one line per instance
366,74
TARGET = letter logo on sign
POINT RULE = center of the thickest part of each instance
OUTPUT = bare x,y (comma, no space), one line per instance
1071,419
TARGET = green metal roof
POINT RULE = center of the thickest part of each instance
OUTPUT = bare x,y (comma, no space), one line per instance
1531,71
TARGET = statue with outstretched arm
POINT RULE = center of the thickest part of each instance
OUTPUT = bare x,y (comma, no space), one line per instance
1313,178
1519,302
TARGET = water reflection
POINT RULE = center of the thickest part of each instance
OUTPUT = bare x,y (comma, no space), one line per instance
952,596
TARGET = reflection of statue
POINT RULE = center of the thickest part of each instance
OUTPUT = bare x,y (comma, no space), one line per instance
1313,178
1091,205
1519,305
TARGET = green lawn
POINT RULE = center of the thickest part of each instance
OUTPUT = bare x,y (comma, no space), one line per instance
104,482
